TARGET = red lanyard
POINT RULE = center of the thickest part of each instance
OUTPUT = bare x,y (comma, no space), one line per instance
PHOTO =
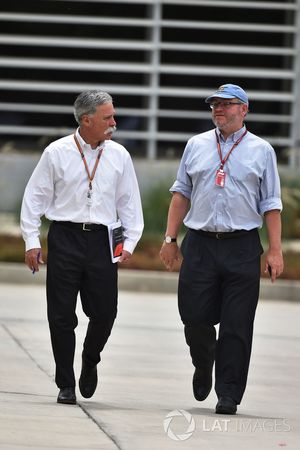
223,160
90,177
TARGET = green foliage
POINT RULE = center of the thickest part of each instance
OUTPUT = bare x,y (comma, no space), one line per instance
290,193
156,203
155,207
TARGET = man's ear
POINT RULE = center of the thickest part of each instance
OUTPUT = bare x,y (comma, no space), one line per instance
245,109
85,120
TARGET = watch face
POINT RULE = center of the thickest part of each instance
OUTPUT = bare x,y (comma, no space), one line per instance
168,239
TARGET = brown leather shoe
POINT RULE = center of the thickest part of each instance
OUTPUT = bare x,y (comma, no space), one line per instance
202,382
67,396
226,405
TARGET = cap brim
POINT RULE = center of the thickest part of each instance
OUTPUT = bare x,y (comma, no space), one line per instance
207,100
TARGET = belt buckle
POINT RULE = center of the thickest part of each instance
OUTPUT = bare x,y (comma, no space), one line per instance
84,227
219,235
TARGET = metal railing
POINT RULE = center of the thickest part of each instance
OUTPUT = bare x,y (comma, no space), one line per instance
273,88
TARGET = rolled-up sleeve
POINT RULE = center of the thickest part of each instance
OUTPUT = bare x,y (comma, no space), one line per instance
183,183
270,185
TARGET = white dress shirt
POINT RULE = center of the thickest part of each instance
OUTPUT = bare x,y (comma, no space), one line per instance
59,184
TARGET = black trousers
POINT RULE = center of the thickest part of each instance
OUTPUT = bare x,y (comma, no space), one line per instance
79,262
219,283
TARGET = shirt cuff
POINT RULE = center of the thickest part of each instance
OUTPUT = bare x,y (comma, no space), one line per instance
186,193
270,204
129,246
32,242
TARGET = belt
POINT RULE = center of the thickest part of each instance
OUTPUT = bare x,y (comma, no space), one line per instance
82,226
223,235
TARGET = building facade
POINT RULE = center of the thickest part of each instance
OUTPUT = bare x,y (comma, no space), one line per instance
159,59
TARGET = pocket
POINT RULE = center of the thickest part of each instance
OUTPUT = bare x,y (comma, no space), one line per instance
184,244
50,234
250,247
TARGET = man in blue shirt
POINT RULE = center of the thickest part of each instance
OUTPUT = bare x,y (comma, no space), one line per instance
227,185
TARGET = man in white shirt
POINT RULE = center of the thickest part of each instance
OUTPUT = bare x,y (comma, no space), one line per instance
83,183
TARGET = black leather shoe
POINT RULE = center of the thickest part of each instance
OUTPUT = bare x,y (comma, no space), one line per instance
67,396
226,405
88,380
202,382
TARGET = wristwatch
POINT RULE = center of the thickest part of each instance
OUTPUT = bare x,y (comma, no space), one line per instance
169,239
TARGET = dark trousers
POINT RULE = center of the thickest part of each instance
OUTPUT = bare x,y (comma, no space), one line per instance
219,283
79,262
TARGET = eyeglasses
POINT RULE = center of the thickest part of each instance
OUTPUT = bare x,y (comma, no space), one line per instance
224,105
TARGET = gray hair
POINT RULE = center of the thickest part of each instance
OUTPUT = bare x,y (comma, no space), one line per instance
87,102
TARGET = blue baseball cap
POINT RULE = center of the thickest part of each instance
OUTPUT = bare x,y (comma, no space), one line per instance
229,91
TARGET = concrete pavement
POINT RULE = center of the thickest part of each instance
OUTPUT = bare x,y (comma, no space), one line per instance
149,281
144,398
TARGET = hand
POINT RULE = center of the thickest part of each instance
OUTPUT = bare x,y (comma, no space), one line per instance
169,254
33,258
274,264
125,256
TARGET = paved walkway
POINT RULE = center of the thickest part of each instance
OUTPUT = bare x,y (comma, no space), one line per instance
148,281
145,374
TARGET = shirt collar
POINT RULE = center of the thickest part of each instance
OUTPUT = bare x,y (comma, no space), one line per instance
85,145
232,137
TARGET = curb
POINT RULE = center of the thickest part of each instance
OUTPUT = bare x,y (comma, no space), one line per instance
148,281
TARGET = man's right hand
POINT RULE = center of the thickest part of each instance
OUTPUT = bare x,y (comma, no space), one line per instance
33,258
169,254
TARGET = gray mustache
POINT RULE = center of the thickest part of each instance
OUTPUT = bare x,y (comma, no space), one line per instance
110,130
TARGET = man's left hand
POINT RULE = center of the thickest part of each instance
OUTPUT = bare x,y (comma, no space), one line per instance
274,264
125,256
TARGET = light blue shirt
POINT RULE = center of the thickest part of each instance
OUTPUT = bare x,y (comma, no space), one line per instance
252,184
